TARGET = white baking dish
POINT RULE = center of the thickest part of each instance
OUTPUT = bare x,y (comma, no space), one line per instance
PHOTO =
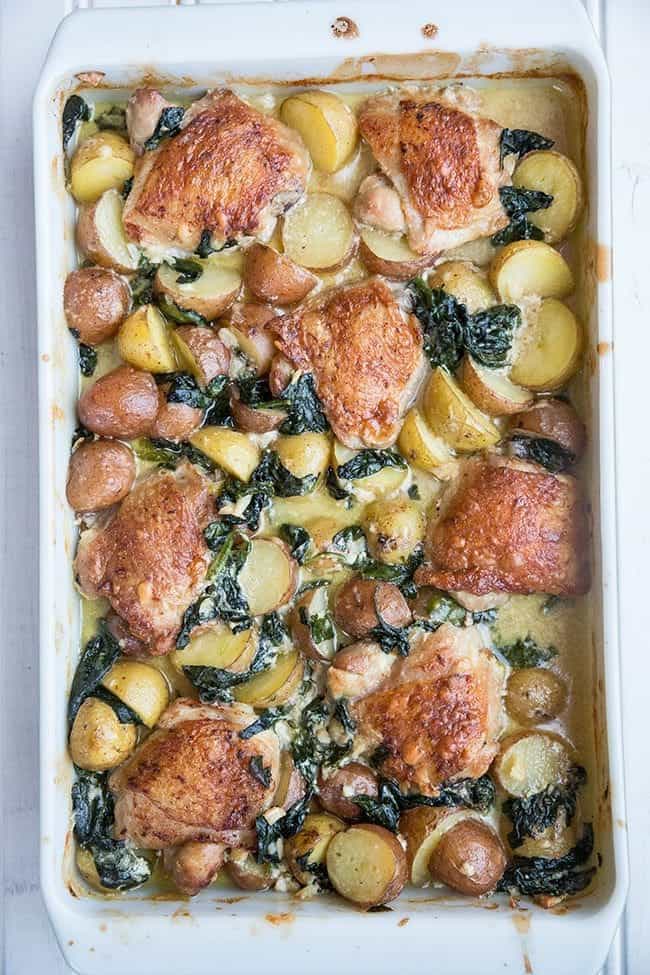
202,46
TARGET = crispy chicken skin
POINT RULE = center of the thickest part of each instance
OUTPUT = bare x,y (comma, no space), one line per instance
510,527
365,354
437,711
231,170
150,559
443,160
190,781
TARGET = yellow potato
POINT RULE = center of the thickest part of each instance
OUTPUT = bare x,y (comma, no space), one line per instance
100,234
327,126
273,686
233,451
423,827
217,647
144,341
305,453
555,174
530,267
549,348
309,845
452,415
210,294
386,481
466,283
393,529
420,446
86,867
269,576
103,162
141,687
529,762
98,740
366,865
390,255
318,233
491,390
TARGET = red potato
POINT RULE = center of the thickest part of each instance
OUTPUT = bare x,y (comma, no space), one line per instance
123,404
280,374
555,420
359,602
252,420
202,352
248,323
275,278
469,858
366,865
95,301
100,473
175,421
335,790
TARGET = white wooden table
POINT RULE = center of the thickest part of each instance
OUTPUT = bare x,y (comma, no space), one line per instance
26,26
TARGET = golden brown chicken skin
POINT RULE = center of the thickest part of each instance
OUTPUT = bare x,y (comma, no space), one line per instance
231,170
191,781
150,559
443,160
365,354
437,712
510,527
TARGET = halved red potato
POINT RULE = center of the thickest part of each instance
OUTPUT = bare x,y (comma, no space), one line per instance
318,233
269,576
275,686
367,865
391,255
491,390
308,848
274,277
101,237
209,295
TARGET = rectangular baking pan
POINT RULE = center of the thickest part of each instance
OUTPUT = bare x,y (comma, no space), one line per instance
200,47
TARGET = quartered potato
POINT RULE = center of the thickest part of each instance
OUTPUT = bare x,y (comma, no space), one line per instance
308,848
554,419
248,324
549,348
274,277
98,740
251,419
102,162
529,762
201,352
209,295
384,482
217,647
420,446
530,267
318,233
393,529
452,415
491,390
390,255
274,686
100,234
555,174
141,687
233,451
327,126
144,341
466,283
366,865
269,576
304,454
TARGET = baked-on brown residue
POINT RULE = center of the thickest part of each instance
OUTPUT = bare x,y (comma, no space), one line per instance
603,263
227,171
403,922
536,538
278,919
429,30
364,353
604,348
345,27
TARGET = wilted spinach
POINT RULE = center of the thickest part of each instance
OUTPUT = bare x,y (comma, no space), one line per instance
306,413
555,877
288,825
169,453
267,719
97,658
188,270
443,608
182,316
334,489
391,639
401,574
87,359
343,716
118,866
517,203
298,540
205,247
75,110
112,119
530,816
521,141
141,283
550,454
386,808
308,751
526,652
271,475
260,771
449,330
168,125
369,461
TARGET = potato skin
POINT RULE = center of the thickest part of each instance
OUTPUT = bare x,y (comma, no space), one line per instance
100,473
395,885
194,866
394,528
123,403
98,741
555,420
95,301
247,873
211,356
355,776
535,695
301,632
395,270
275,278
360,600
469,858
175,421
250,319
280,374
251,420
90,243
311,842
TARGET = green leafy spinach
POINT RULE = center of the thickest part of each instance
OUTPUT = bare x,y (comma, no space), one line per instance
168,125
526,652
520,141
75,110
